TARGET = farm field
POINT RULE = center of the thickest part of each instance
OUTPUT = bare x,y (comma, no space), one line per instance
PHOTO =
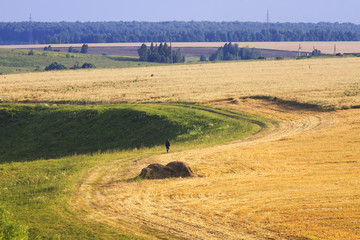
191,53
19,61
324,47
45,150
331,83
297,181
296,178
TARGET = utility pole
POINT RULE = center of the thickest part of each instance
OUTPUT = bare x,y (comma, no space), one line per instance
268,25
171,52
30,31
335,49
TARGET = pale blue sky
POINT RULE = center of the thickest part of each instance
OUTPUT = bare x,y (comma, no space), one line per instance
185,10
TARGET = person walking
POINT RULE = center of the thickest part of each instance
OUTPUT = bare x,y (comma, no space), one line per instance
167,145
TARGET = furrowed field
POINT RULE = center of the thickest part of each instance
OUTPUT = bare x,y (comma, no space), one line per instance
275,143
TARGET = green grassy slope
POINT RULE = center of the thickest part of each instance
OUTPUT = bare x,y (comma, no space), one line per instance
37,193
31,132
18,61
34,132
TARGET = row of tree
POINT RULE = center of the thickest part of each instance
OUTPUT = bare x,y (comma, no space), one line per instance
58,66
232,52
162,54
84,49
101,32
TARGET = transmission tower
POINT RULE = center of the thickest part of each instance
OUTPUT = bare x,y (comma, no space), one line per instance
268,25
171,52
30,31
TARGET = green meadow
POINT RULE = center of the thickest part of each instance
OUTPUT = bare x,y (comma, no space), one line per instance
19,61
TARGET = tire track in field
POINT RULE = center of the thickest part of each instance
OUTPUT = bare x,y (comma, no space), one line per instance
196,208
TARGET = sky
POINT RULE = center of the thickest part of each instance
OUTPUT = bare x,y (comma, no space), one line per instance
185,10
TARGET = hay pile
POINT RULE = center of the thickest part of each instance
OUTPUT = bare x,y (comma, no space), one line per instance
171,170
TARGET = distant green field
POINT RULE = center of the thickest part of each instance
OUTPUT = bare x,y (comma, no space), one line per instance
18,61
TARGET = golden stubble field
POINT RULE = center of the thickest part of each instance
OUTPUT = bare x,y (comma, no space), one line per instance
331,82
298,180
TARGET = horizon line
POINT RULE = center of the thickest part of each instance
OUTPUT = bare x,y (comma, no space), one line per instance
167,21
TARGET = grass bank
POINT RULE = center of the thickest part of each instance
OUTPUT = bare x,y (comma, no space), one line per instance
37,193
31,132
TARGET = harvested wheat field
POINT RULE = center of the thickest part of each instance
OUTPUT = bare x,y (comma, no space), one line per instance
330,82
299,180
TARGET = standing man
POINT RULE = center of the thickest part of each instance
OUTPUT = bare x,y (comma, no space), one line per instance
167,145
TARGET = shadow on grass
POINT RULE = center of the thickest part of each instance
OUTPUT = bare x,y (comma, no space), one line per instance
31,132
124,59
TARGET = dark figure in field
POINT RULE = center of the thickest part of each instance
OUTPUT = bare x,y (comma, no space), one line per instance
167,144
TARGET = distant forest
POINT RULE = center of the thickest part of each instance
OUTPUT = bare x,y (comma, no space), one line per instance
110,32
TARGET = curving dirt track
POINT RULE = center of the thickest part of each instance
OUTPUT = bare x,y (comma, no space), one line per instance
298,180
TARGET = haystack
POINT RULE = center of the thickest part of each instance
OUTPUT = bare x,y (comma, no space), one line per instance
171,170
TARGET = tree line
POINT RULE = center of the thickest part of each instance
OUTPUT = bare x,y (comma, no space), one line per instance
232,52
109,32
162,54
58,66
229,51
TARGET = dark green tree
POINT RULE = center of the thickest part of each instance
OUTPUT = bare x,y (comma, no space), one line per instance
48,48
153,54
203,58
84,48
89,32
233,52
161,53
217,56
143,52
31,52
316,52
88,65
55,66
177,58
